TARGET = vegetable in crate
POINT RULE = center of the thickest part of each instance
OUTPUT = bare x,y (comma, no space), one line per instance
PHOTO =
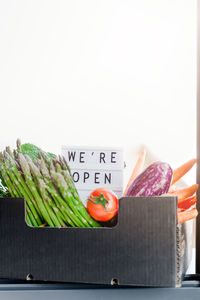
187,196
185,193
146,184
137,169
102,205
154,181
47,186
33,151
182,170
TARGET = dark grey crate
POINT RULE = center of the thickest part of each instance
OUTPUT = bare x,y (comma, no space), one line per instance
145,248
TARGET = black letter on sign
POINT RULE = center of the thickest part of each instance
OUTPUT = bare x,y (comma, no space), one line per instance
108,178
81,157
96,178
113,157
102,157
86,176
71,155
78,176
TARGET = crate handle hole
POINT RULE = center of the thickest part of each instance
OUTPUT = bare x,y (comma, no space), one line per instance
29,277
114,281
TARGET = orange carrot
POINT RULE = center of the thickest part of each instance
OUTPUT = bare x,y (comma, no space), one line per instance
187,215
182,170
185,193
187,203
137,169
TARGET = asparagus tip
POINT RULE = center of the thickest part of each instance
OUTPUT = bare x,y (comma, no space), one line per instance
18,145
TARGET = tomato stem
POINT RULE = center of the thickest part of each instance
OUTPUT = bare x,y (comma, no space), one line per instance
100,200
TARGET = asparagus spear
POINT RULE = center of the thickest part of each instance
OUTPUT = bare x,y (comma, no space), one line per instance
28,220
73,212
64,192
41,187
14,187
72,215
53,192
73,191
20,186
6,177
67,214
64,211
31,217
29,181
18,145
13,191
18,174
45,202
69,207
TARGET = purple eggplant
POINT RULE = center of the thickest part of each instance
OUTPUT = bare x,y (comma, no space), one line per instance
153,181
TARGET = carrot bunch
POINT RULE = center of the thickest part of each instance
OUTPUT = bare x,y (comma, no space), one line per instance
186,197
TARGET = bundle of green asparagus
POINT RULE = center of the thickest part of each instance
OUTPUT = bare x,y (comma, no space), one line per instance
48,188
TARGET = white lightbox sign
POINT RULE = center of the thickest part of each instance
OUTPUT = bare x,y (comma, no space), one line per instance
93,168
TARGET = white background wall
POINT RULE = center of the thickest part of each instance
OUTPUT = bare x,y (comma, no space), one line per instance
104,72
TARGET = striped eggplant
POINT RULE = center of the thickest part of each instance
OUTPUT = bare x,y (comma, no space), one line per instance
153,181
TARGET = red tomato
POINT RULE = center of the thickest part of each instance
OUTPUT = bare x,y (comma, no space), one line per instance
102,205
